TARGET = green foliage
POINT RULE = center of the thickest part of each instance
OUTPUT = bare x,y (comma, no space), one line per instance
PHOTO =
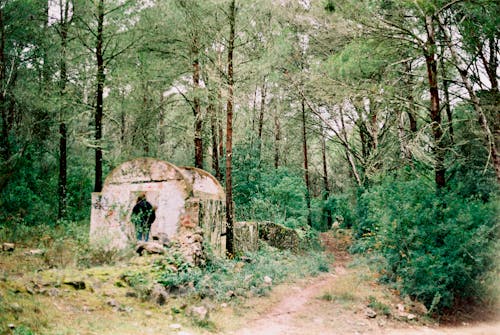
175,273
268,194
340,208
329,6
378,306
438,247
22,330
360,60
246,276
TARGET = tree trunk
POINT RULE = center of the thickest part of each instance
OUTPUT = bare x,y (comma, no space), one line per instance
483,122
99,93
306,163
229,131
215,146
218,116
63,134
409,96
494,154
348,153
327,214
492,65
198,120
447,101
435,112
277,139
261,115
4,145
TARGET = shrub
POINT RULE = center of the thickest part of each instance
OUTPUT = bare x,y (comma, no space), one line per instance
438,246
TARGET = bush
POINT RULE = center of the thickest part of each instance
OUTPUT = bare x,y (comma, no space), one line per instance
438,247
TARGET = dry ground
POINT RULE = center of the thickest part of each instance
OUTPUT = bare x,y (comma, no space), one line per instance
332,303
335,303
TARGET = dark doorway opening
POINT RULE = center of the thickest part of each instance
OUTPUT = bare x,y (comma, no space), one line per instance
143,216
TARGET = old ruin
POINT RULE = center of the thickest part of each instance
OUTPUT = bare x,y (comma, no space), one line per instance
189,207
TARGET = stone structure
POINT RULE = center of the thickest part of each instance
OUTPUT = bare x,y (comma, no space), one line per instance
188,203
246,237
280,236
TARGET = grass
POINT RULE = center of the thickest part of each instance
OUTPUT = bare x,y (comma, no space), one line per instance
36,300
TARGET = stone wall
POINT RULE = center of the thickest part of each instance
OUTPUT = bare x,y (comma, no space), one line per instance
188,202
279,236
246,237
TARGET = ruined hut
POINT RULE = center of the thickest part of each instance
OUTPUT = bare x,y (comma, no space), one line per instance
187,202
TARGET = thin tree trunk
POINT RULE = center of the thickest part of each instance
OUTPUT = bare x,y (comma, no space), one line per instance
218,116
123,120
348,154
198,120
229,131
403,142
494,154
5,145
409,97
277,139
327,213
447,101
100,90
215,146
492,65
435,112
306,163
261,115
63,135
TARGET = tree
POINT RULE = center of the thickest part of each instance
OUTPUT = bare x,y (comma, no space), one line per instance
106,42
65,19
229,128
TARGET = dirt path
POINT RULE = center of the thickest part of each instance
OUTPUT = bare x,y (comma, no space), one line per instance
307,309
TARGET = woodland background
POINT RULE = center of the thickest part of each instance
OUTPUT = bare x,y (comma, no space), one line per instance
380,115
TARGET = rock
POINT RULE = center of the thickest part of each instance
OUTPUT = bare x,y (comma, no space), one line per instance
35,252
131,294
411,316
238,266
53,292
152,247
230,294
162,238
76,284
223,305
87,309
159,294
175,326
199,313
400,307
370,313
418,308
8,247
280,236
113,303
268,280
11,326
16,308
148,314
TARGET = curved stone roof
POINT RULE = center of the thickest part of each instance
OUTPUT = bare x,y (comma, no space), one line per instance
144,170
204,184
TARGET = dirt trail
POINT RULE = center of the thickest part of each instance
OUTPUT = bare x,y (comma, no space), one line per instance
300,310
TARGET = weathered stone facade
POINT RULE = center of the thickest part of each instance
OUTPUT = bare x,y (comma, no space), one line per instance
246,237
185,200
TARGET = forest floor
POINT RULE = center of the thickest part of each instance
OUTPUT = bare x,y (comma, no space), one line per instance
342,301
335,303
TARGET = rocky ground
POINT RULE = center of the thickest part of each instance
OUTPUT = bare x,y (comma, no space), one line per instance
110,300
